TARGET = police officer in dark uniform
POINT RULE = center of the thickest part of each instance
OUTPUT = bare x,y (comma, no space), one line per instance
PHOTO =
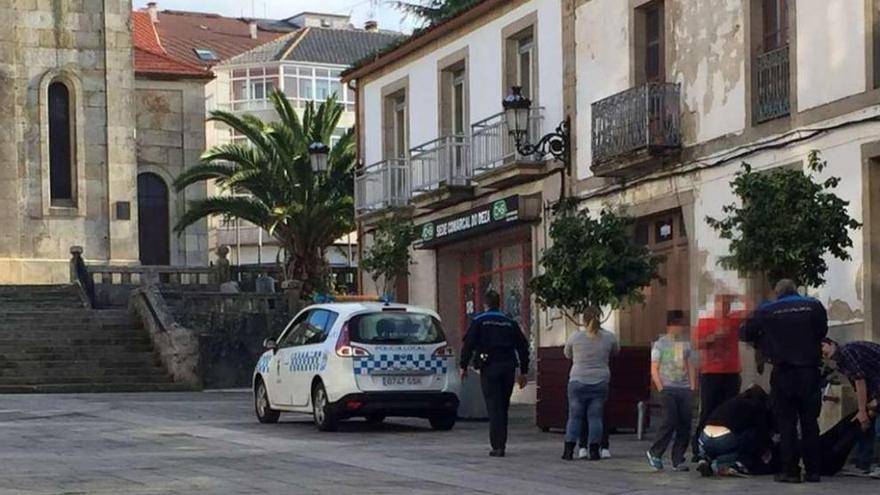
789,332
497,347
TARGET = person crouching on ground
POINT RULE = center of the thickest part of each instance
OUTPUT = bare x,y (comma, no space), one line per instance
674,377
590,350
737,435
860,363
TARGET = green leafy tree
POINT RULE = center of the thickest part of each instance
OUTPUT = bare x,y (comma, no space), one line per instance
784,224
275,187
388,258
592,263
431,12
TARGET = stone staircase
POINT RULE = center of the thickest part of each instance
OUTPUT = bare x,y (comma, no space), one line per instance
49,342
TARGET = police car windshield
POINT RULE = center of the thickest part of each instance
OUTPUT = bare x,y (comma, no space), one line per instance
396,328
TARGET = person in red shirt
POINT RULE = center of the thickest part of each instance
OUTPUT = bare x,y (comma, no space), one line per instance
717,341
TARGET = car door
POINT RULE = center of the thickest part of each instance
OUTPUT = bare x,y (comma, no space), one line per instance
310,357
281,362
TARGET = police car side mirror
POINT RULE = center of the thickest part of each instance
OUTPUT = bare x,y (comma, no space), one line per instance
270,344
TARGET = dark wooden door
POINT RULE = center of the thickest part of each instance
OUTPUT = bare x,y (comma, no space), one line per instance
154,228
665,236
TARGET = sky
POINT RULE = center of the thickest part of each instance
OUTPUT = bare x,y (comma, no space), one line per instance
388,16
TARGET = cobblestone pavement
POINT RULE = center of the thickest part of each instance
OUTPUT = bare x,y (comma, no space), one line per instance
210,443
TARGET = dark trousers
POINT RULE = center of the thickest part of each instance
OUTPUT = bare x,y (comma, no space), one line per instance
837,443
796,397
715,389
497,381
584,440
677,404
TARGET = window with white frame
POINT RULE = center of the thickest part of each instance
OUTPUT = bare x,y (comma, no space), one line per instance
300,83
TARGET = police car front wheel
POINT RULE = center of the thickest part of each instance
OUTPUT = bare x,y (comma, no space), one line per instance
265,413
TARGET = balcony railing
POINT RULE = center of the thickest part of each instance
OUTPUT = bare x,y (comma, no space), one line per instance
382,185
491,143
444,161
773,85
644,118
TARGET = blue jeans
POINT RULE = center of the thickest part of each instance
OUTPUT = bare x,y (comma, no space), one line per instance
864,452
585,400
722,451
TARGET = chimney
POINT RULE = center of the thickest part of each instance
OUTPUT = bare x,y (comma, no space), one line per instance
371,26
253,28
153,9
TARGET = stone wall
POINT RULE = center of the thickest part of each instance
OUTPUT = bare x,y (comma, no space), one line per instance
87,45
170,138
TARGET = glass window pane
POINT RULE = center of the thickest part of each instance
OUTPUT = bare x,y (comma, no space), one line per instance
290,87
258,91
322,73
525,73
239,90
336,74
239,73
350,95
322,89
306,90
271,85
306,72
336,90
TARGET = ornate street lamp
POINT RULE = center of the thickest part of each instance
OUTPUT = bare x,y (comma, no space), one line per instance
319,154
517,109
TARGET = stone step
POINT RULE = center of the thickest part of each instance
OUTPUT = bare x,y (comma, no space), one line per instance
79,388
128,378
146,359
44,347
63,333
61,342
93,370
101,353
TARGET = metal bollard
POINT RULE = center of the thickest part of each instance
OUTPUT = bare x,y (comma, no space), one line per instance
641,408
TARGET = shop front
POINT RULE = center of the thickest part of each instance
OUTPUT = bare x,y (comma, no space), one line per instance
489,247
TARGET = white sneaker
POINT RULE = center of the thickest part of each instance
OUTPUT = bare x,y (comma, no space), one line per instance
875,473
605,454
583,453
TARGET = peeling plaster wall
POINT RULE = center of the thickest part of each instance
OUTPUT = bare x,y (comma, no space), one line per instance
830,50
603,62
707,57
842,292
485,52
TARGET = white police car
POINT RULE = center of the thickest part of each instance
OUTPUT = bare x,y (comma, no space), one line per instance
364,359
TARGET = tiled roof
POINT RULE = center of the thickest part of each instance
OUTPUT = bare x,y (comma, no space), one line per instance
320,45
183,32
151,59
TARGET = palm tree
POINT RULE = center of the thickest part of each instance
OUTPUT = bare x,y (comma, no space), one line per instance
275,187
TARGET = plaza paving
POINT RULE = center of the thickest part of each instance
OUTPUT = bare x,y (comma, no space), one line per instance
210,443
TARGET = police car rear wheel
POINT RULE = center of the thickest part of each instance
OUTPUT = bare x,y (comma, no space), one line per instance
443,423
324,418
265,413
375,419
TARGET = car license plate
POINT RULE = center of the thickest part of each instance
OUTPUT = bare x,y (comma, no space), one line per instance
397,381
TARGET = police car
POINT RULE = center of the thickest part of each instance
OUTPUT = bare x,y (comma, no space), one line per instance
359,359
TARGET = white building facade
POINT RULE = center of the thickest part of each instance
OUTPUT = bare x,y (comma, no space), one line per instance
435,147
703,88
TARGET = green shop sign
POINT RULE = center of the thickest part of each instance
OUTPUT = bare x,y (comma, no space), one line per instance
486,218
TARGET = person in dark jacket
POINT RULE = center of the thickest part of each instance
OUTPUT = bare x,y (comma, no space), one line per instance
789,332
497,345
737,435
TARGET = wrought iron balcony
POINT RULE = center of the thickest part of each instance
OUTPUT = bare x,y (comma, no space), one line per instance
773,83
645,120
492,146
381,186
441,162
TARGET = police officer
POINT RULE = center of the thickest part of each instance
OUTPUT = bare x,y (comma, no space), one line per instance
789,332
497,346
